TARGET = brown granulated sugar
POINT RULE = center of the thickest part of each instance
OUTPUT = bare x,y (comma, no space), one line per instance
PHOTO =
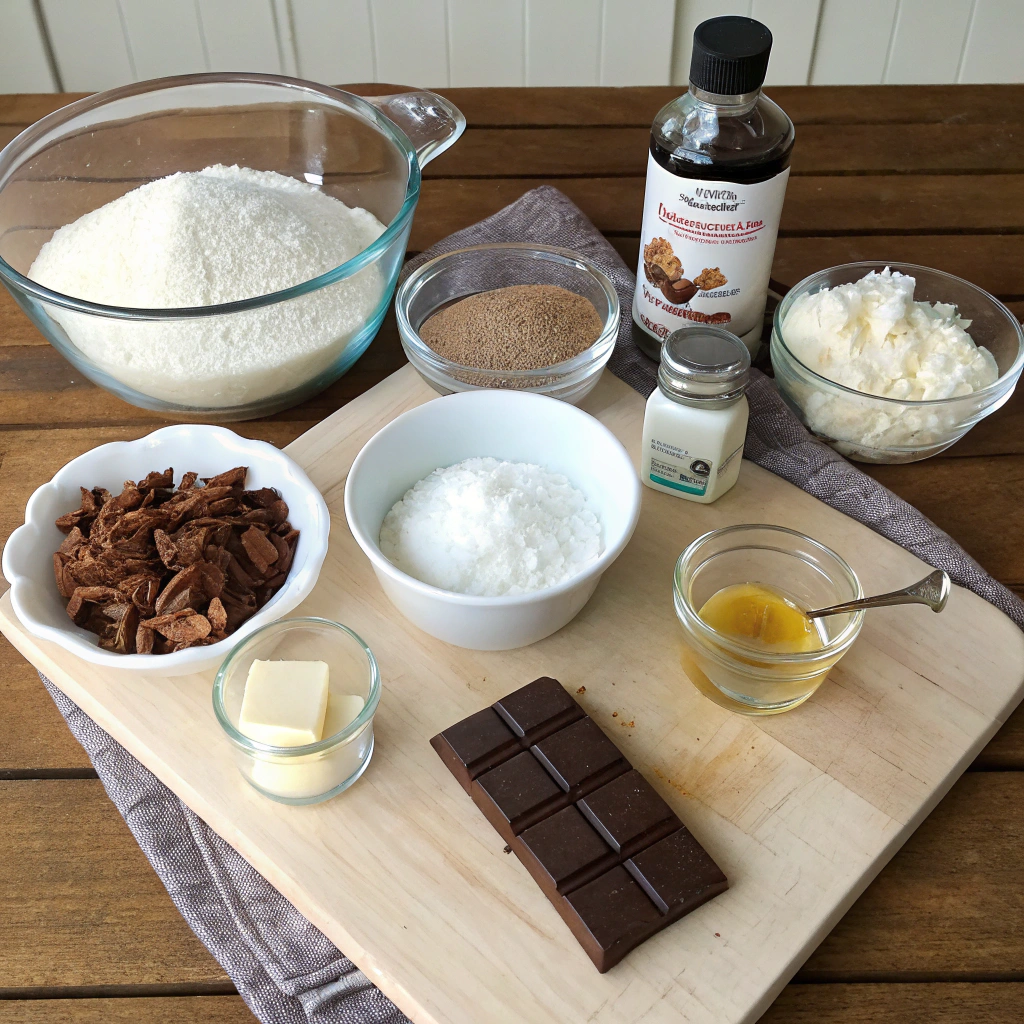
521,327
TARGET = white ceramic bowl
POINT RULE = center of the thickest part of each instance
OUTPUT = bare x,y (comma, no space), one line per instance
512,425
28,554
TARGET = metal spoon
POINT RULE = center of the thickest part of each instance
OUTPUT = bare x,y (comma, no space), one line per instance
933,591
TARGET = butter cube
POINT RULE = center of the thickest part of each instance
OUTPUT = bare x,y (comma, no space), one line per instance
285,702
342,709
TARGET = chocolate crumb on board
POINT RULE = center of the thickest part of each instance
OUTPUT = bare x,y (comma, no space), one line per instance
582,689
154,570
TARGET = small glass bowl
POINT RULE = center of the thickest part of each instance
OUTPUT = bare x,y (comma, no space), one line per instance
464,272
887,430
316,771
737,675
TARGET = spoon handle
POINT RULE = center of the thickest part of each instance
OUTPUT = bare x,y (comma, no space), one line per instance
933,591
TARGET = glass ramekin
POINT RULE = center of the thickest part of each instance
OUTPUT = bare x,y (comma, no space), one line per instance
464,272
737,675
871,429
316,771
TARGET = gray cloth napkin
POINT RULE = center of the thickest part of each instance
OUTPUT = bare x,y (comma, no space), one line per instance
286,970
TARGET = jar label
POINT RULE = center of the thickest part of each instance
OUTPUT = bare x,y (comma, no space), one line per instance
672,467
706,251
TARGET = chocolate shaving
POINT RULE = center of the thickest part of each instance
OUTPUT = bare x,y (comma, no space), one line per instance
259,549
153,570
217,615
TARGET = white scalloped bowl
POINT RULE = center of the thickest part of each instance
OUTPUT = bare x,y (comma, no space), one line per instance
28,554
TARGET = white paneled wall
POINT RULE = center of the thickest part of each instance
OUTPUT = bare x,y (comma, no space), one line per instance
80,45
24,63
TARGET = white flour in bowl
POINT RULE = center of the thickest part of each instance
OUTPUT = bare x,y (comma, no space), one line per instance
201,238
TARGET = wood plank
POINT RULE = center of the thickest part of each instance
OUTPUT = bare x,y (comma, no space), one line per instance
870,104
853,206
951,901
636,106
820,149
995,262
949,1003
41,743
934,1003
81,904
989,525
150,1010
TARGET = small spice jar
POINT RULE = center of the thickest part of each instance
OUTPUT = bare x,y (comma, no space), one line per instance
696,419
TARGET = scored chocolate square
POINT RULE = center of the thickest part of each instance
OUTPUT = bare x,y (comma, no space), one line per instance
604,847
629,814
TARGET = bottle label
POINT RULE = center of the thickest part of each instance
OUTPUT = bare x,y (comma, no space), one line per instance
675,468
706,251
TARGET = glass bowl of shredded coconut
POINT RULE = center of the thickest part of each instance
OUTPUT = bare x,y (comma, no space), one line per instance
893,362
489,517
215,246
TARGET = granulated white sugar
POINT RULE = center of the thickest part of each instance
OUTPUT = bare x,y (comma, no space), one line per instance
490,528
202,238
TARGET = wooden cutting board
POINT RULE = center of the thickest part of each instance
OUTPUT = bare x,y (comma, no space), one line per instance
800,810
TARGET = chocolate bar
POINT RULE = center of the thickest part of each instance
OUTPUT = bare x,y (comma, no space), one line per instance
605,848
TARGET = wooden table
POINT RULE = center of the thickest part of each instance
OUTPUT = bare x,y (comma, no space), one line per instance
931,175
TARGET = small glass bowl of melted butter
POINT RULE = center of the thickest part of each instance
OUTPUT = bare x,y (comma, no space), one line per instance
741,594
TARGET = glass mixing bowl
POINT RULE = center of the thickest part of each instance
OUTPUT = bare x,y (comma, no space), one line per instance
367,153
463,272
872,429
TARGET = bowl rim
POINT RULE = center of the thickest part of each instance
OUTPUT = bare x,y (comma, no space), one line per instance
371,548
239,738
297,587
367,256
693,621
804,287
602,345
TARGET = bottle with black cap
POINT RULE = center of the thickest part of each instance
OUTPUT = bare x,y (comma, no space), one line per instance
696,419
716,180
